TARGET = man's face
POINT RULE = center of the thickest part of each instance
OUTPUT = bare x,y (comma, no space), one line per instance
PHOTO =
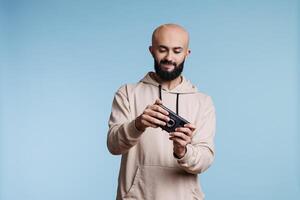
169,50
165,74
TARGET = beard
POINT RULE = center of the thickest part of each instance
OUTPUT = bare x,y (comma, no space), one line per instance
165,75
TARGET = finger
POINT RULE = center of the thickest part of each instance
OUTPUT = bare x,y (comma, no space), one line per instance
148,124
153,120
157,115
180,135
185,130
179,142
191,126
159,109
158,102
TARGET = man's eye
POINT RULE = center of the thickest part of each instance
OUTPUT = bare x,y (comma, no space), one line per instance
162,50
177,50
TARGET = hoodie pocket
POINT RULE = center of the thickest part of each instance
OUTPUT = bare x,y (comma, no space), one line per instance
130,194
164,183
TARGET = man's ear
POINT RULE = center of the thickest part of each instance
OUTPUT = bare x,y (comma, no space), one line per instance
188,52
151,50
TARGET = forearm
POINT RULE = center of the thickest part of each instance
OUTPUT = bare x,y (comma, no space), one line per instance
200,153
197,159
122,137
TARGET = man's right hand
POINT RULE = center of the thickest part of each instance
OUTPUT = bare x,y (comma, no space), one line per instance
153,116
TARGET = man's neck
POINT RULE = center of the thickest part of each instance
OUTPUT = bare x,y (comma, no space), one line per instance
167,84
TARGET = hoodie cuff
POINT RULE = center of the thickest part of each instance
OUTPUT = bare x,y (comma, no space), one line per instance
133,131
187,155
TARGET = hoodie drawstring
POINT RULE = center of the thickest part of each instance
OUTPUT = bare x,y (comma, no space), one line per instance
177,101
159,90
177,98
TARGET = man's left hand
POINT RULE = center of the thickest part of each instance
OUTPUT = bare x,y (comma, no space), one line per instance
181,137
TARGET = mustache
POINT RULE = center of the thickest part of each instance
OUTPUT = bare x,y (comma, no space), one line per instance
166,62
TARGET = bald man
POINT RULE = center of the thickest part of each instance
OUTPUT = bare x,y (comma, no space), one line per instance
158,161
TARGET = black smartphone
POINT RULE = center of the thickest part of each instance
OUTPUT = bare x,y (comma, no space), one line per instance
174,122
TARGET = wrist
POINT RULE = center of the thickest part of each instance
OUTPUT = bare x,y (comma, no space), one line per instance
180,155
138,125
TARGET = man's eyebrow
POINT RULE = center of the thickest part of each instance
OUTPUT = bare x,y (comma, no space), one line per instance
162,46
176,48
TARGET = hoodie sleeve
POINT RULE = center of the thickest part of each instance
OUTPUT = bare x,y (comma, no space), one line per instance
122,133
200,153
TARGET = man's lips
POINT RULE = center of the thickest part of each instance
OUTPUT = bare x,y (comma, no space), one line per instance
167,67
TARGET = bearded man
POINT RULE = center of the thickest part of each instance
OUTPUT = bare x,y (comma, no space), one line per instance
156,164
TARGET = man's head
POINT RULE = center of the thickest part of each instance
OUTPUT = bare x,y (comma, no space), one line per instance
170,47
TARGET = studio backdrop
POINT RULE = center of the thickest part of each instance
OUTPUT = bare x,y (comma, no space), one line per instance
62,62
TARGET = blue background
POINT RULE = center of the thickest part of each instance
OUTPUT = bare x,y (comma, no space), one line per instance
62,61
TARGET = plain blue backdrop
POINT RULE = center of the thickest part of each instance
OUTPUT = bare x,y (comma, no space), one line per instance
62,61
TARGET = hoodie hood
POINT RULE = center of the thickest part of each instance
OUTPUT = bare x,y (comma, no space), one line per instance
185,87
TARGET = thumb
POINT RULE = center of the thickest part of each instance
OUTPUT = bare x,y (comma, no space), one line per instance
158,101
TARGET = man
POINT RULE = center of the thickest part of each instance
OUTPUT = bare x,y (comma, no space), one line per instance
158,165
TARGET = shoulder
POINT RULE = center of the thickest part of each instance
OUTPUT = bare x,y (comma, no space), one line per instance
203,96
203,99
127,89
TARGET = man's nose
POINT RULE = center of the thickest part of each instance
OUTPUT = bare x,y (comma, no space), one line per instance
169,57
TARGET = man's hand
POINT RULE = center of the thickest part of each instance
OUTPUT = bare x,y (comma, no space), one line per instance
153,116
181,137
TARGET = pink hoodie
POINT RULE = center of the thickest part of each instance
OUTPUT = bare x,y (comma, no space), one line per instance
148,168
